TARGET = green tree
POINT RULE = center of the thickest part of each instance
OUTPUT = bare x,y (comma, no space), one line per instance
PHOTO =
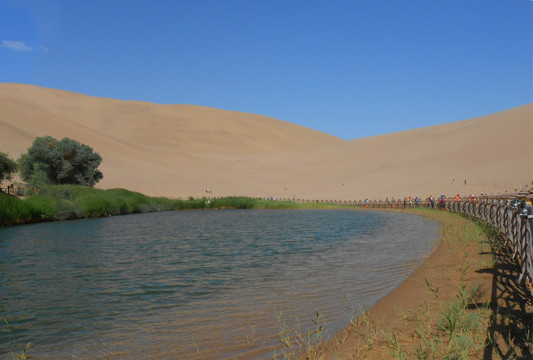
7,167
60,162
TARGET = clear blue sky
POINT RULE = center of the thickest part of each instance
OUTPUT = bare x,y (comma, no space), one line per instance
348,68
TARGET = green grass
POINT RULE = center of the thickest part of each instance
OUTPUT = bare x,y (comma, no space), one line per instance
62,202
15,211
446,330
240,202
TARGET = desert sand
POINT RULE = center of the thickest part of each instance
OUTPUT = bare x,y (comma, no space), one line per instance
182,150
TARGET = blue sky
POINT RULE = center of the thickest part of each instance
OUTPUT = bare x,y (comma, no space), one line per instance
348,68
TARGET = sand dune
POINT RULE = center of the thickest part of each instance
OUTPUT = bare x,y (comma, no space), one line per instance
181,150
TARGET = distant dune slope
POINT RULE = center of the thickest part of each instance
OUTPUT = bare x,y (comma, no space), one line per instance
182,150
492,154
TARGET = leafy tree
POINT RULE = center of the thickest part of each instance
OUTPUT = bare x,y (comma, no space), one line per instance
60,162
7,167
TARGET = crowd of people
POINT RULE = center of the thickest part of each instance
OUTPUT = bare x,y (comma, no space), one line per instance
442,200
431,201
406,202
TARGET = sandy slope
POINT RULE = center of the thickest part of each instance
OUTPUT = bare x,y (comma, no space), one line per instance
181,150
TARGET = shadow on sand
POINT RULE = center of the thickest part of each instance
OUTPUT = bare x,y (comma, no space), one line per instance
510,332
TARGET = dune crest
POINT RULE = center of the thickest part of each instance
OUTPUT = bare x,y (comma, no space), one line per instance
181,150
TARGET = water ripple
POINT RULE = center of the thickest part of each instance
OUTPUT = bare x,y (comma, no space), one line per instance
195,283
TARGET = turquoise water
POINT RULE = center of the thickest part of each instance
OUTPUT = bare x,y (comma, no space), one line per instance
197,284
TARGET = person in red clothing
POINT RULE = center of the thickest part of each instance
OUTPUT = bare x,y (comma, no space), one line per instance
458,198
442,201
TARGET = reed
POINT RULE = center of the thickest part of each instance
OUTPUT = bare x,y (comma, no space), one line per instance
17,356
15,211
62,202
453,329
297,343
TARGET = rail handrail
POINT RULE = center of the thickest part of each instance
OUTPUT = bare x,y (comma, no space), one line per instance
512,216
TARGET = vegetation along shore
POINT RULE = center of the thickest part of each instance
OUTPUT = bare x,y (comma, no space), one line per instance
64,202
465,301
59,178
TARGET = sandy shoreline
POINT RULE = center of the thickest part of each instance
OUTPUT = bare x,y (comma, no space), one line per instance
387,314
442,268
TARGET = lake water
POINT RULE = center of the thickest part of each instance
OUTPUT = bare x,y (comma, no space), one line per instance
197,284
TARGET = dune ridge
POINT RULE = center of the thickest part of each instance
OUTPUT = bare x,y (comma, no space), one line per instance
182,150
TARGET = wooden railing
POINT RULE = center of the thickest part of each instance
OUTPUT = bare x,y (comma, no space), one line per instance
512,216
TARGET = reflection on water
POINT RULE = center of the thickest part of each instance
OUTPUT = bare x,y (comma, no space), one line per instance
196,284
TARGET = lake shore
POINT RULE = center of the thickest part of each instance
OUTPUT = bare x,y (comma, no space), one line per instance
411,320
460,255
462,265
325,242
